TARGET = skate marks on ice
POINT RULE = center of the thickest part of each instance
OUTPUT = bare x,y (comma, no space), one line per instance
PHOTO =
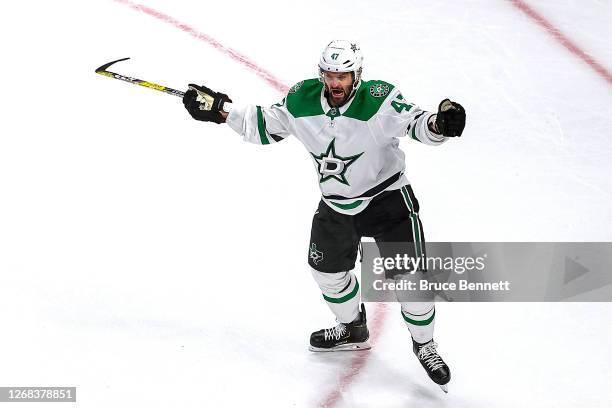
379,384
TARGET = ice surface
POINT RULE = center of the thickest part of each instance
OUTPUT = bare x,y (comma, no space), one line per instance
152,260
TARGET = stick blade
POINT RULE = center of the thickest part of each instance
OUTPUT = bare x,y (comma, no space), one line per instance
105,66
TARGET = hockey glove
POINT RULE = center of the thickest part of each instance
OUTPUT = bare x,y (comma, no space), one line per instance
205,104
450,119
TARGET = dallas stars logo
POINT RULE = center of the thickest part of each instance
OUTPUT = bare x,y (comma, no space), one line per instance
296,87
332,166
315,254
379,90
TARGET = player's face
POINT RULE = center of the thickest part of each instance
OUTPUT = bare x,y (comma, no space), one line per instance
339,86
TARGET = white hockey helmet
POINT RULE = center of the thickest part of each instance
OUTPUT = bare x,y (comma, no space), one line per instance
342,56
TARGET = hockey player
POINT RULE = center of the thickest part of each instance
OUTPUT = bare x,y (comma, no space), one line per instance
351,128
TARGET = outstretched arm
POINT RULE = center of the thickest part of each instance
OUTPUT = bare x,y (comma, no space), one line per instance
256,124
400,117
259,124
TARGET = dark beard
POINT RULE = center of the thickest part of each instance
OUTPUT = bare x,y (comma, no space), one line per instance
331,102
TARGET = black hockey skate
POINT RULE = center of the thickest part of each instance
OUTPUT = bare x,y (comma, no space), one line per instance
344,336
431,361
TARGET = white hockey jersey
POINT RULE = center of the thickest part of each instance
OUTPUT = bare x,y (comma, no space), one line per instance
354,148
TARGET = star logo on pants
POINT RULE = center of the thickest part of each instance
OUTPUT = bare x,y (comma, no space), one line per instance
332,166
314,254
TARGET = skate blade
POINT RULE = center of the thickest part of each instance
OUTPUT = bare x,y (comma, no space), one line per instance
343,347
444,388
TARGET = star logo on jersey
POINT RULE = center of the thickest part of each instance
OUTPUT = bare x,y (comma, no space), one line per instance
332,166
354,47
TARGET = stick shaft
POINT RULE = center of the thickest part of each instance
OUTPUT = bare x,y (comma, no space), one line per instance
102,71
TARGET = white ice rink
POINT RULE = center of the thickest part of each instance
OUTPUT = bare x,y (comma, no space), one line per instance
154,261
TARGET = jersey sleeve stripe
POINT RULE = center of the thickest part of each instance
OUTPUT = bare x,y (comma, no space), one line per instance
261,127
414,125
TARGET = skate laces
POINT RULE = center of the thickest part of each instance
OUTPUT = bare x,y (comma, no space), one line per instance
429,355
335,332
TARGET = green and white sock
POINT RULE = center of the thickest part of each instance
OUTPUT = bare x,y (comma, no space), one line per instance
341,293
420,318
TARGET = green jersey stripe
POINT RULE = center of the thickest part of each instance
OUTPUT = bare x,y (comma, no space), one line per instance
261,127
348,206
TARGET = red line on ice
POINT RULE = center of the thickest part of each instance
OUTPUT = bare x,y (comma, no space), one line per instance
359,360
235,55
376,322
563,39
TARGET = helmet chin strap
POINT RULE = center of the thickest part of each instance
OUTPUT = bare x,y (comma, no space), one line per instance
356,79
355,86
356,83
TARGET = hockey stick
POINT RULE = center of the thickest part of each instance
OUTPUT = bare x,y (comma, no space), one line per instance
103,71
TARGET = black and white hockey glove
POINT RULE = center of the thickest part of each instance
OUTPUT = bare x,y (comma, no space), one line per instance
450,119
204,104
